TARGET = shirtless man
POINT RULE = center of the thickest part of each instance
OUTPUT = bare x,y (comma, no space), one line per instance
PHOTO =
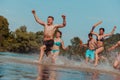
49,30
117,60
92,45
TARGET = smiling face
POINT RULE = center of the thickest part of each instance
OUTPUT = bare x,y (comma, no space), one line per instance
50,20
58,34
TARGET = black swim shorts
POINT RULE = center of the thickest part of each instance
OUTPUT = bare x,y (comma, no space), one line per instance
49,44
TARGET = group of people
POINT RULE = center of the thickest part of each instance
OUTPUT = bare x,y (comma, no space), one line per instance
96,46
51,45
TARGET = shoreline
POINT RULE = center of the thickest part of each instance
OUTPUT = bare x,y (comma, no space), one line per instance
87,69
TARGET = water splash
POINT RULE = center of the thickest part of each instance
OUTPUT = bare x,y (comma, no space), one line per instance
103,66
63,61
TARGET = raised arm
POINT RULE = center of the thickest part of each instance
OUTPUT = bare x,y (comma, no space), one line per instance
111,33
114,46
37,19
63,24
62,42
85,45
95,25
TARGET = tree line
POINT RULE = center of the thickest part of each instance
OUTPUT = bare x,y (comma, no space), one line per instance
22,41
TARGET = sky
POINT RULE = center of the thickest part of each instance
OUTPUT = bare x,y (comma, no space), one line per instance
80,15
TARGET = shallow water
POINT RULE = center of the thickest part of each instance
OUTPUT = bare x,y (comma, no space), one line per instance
18,67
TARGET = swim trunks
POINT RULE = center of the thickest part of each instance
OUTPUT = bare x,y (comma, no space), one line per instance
90,54
49,44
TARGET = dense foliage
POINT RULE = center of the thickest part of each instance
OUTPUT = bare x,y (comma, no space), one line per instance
22,41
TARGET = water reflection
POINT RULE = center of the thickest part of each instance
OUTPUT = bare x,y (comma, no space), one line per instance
95,75
14,69
117,78
46,73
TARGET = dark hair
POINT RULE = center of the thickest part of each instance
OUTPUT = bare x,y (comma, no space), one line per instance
102,29
90,34
60,33
51,17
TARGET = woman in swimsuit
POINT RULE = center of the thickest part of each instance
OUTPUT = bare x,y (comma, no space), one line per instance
56,47
100,41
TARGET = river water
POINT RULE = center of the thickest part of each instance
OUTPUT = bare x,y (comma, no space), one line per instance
22,67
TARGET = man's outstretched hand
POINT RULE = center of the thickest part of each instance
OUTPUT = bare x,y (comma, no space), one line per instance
63,16
33,11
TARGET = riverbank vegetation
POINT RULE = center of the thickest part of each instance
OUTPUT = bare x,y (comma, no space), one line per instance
22,41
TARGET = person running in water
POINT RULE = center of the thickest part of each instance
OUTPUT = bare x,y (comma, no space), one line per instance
100,40
49,30
58,42
92,44
117,60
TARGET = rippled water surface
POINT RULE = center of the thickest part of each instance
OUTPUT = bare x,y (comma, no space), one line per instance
12,68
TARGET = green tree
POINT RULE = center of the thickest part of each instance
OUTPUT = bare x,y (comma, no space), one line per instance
4,30
75,50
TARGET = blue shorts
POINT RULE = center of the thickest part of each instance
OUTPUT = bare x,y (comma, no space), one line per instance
90,54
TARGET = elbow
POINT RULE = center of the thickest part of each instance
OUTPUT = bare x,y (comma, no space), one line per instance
64,24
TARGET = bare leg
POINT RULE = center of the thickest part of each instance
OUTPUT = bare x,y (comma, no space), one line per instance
42,50
86,60
102,57
54,56
98,51
116,64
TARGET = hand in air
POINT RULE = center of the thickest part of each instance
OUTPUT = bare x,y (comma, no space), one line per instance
63,16
33,11
115,27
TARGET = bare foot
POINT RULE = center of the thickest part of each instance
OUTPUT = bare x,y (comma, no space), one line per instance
37,61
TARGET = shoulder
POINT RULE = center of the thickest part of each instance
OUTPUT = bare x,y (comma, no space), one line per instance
54,39
61,40
54,26
45,25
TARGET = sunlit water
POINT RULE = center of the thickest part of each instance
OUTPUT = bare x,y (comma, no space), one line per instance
21,67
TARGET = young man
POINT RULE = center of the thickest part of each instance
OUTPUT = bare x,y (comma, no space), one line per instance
117,60
92,45
49,30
